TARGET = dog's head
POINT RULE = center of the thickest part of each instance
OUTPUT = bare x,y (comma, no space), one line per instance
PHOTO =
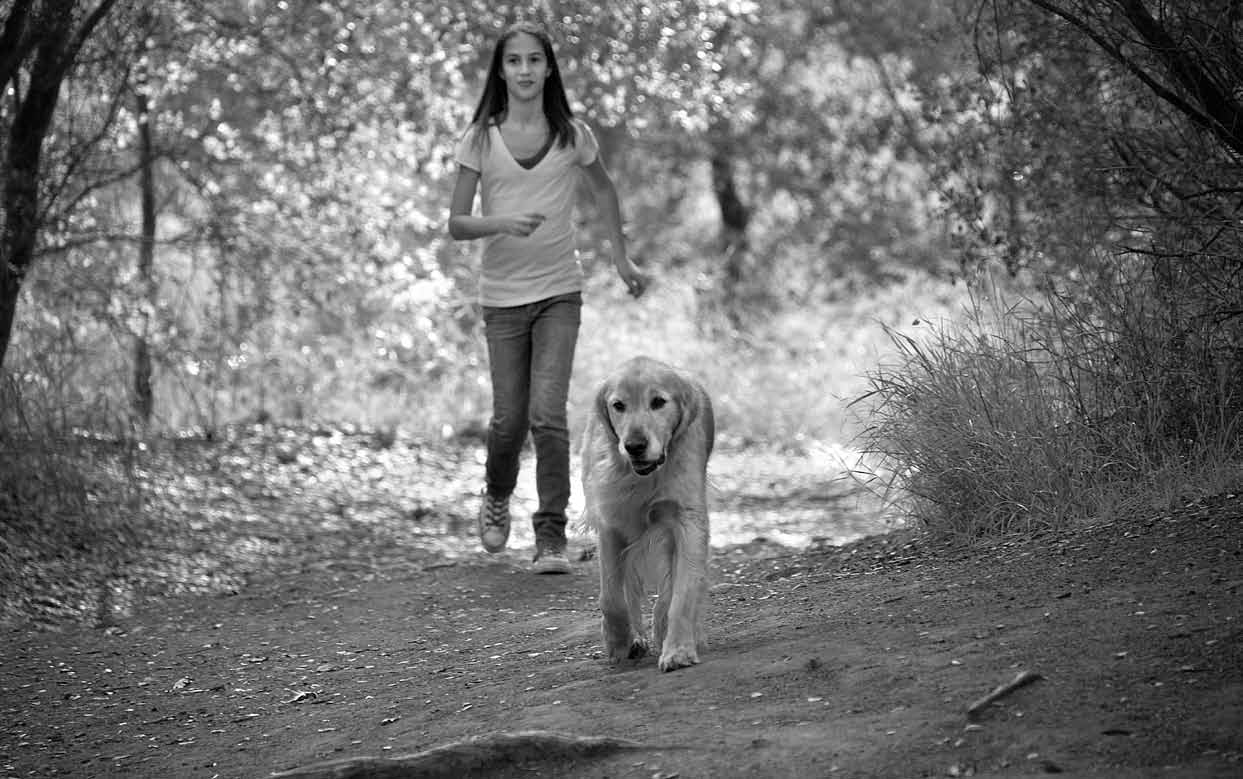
645,407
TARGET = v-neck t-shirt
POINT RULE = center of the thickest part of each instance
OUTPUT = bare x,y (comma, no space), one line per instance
516,270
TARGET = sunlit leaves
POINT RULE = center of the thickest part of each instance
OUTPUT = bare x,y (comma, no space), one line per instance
306,152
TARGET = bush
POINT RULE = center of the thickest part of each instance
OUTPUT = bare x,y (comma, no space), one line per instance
1059,408
65,494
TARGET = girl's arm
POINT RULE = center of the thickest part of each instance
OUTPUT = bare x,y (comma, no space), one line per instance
464,226
606,200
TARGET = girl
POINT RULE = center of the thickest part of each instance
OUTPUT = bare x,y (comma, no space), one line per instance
522,152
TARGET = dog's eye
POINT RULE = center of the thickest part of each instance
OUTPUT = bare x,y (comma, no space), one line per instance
658,403
619,406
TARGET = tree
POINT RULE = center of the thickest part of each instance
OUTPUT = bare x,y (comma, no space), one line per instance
42,41
265,198
1148,146
1188,55
1103,162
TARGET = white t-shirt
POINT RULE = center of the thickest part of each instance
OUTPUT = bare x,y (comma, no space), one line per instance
518,270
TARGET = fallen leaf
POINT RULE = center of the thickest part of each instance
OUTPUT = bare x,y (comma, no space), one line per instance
302,695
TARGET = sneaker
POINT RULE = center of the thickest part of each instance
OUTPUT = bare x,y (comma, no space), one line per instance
494,522
550,559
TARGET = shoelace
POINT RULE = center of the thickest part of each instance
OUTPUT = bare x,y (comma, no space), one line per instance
495,513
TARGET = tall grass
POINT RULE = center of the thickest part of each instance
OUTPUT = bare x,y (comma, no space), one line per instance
56,457
66,493
1038,411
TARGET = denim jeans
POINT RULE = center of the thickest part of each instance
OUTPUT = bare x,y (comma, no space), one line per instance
531,353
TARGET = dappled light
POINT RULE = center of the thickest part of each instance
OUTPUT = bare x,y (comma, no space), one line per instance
963,282
267,501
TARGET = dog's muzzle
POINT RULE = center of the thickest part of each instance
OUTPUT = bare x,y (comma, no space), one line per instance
646,467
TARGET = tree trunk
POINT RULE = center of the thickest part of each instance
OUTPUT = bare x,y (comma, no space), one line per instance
144,400
735,216
30,126
54,53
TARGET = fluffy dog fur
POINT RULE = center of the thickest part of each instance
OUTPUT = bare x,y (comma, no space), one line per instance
645,458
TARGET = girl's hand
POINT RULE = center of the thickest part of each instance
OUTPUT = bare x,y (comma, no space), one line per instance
636,280
520,225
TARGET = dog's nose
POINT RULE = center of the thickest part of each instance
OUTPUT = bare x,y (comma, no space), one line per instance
636,448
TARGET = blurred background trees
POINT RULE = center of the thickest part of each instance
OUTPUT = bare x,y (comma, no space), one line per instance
226,210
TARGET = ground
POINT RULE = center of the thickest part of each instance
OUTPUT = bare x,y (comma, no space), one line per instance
852,659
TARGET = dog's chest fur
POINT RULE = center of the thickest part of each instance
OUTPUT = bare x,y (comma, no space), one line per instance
631,503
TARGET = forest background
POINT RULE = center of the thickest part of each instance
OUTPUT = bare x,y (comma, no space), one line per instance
992,245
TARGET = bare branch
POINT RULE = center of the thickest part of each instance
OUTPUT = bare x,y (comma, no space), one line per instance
1222,113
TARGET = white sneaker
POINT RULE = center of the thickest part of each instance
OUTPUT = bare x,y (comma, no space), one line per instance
494,523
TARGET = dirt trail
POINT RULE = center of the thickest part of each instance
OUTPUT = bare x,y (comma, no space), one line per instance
855,661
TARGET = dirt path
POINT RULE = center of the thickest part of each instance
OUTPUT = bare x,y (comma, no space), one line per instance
856,661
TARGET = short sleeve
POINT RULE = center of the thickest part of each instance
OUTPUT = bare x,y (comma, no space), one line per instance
586,148
469,153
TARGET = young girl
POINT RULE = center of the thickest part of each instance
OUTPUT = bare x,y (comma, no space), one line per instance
522,152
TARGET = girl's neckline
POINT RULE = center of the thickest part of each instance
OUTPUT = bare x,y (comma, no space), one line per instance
526,163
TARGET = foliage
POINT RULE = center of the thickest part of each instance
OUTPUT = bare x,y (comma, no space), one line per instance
1137,159
303,160
1053,410
1120,382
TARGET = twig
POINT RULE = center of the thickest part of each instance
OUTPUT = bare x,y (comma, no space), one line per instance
437,566
1022,680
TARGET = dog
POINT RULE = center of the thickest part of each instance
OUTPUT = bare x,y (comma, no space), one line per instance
644,454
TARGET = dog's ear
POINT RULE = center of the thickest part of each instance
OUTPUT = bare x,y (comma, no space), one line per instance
689,404
602,408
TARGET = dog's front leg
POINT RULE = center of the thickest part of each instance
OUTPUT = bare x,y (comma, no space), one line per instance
663,563
621,621
690,566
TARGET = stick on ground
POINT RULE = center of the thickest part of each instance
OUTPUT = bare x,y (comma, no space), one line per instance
1022,680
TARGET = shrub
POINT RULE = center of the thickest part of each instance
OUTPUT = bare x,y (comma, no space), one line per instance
65,494
1059,407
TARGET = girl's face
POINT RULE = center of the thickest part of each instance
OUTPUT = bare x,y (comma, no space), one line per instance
524,67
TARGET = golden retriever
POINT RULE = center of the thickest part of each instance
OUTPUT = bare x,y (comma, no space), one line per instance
644,460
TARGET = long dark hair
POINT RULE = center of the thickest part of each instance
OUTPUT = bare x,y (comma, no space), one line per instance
494,101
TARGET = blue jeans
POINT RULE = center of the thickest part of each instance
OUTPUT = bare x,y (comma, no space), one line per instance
531,353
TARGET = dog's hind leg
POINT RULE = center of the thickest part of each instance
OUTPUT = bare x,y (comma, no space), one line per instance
620,601
701,605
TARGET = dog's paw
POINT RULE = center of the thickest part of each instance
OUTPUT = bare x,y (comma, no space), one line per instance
676,657
637,648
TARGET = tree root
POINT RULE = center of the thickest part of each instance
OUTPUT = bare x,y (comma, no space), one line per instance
460,758
1022,680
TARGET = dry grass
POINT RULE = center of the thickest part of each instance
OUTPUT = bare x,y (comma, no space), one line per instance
71,513
1037,414
62,491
